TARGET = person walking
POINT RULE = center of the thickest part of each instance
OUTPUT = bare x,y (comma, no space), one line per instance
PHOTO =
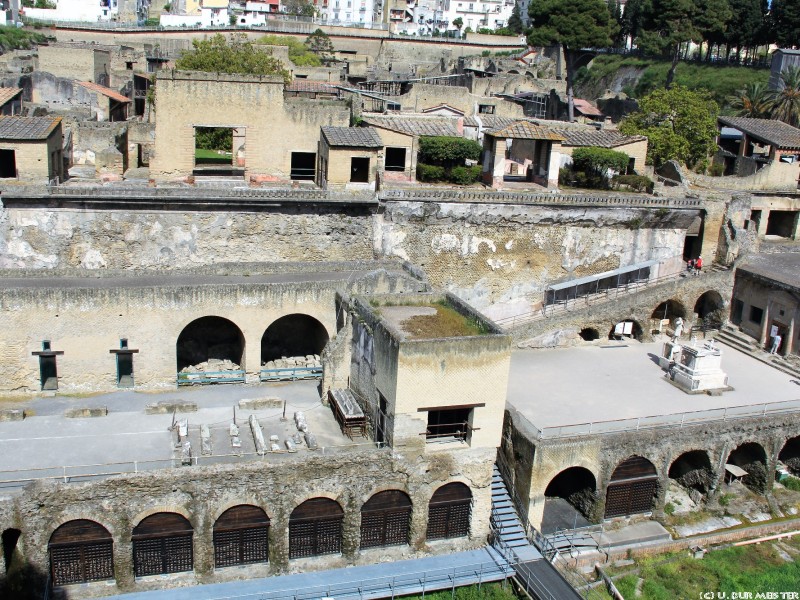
776,344
698,264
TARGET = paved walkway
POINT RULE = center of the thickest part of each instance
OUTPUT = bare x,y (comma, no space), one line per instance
383,580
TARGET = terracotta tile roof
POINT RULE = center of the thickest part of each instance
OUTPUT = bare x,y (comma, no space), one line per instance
775,133
8,93
352,137
491,121
586,108
524,130
419,125
101,89
597,138
304,85
27,128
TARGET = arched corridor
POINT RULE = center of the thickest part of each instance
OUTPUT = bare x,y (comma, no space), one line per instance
751,457
692,470
632,489
570,499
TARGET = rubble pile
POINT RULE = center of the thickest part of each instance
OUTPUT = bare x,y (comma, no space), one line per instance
309,360
212,365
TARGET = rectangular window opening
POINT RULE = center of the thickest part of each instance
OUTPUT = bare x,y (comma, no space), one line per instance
304,166
486,109
8,164
449,424
756,314
395,159
218,149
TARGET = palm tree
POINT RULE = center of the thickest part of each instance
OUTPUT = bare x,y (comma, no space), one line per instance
754,101
786,101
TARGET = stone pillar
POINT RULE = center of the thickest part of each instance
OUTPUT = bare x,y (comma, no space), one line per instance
123,559
498,163
203,548
351,526
279,541
796,227
762,222
555,164
765,326
419,520
788,342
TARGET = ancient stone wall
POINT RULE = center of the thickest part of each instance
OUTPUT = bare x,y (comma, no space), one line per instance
600,454
491,254
87,320
561,328
203,493
186,100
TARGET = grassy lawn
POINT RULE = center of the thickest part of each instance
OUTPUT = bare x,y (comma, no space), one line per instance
721,81
212,157
754,569
488,591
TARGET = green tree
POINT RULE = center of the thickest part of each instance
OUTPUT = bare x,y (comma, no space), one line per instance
320,44
299,53
712,21
458,23
746,26
786,101
573,25
665,26
302,8
234,55
785,23
515,24
596,163
680,124
754,100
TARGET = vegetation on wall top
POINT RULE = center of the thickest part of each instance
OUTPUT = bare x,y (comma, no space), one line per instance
234,55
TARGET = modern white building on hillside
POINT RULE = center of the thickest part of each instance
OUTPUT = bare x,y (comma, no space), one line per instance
423,17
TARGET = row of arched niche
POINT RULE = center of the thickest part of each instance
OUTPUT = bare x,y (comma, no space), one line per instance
633,486
83,550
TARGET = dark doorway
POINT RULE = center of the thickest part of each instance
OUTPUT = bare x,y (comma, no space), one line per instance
213,146
589,334
692,470
395,159
315,528
782,223
293,335
125,370
632,489
624,330
710,306
449,512
693,242
8,163
162,543
304,166
737,311
751,457
48,372
669,309
790,455
380,426
570,499
359,169
241,536
10,538
210,337
386,519
81,551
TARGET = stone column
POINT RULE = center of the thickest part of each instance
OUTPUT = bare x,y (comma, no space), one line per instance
555,164
499,163
765,325
419,519
762,222
788,342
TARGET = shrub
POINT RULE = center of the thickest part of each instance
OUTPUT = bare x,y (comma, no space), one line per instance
637,183
599,160
792,483
447,151
464,175
669,508
429,172
716,170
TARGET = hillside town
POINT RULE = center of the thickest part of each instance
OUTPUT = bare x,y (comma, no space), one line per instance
323,299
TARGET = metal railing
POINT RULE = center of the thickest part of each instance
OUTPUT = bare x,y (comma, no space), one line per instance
87,472
675,421
209,377
290,374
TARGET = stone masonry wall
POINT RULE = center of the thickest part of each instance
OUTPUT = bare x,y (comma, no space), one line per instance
489,254
600,454
202,494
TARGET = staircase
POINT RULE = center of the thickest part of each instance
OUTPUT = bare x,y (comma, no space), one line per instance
730,336
509,529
